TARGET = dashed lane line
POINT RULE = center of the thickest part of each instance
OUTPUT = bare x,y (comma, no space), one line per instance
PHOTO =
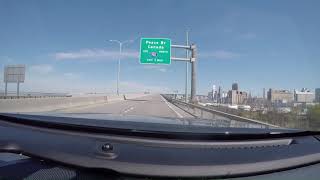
129,109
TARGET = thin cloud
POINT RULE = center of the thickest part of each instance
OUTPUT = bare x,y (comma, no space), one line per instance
220,54
42,68
67,82
70,75
139,87
163,69
158,68
89,54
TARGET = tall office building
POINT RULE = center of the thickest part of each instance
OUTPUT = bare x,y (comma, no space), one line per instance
264,93
235,86
213,88
214,92
304,96
210,95
283,96
236,97
219,94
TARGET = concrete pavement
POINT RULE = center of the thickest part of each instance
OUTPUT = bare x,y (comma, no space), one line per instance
153,105
150,105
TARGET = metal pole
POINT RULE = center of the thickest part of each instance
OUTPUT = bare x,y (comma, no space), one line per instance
187,56
180,59
193,74
6,89
18,84
119,61
193,58
180,46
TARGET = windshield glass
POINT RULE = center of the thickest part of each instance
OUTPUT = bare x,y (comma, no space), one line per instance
219,64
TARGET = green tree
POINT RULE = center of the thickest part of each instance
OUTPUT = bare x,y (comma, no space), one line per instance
314,117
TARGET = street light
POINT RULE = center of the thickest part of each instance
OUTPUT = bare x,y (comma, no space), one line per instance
121,43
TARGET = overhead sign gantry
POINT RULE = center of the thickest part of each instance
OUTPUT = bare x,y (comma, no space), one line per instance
158,51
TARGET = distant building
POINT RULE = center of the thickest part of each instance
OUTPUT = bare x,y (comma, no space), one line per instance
235,86
304,96
237,97
213,88
224,97
317,95
219,94
210,95
264,93
280,96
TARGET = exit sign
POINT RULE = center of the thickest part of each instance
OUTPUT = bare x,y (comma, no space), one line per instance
155,51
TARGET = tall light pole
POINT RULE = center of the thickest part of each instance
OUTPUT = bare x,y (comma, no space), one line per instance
121,43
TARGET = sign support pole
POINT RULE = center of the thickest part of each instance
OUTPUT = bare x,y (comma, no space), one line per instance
191,60
18,88
6,89
187,68
193,74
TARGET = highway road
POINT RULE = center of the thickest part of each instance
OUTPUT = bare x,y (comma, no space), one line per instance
153,106
149,105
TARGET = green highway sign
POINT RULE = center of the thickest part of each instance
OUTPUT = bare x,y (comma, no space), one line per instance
155,51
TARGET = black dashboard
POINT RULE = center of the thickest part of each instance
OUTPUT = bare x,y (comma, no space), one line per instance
129,152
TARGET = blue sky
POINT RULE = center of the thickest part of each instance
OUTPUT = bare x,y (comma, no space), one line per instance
269,44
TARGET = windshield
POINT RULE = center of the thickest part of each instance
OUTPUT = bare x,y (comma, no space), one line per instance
159,89
218,64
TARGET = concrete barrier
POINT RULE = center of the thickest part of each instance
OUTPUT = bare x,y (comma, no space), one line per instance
207,113
51,104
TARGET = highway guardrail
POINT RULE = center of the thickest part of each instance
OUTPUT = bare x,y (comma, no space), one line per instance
208,113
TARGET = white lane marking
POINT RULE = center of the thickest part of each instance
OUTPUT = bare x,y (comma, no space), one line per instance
178,114
86,106
129,109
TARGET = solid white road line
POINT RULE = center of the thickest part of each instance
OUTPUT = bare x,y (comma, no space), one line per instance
178,114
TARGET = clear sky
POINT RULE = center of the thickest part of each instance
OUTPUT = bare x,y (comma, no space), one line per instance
64,44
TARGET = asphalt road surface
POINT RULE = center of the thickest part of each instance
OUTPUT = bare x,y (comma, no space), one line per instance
149,105
153,106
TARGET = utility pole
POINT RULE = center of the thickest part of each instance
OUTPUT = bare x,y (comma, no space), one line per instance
6,90
18,88
193,73
187,67
121,43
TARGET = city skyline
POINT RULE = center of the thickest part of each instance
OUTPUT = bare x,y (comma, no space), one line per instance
214,92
